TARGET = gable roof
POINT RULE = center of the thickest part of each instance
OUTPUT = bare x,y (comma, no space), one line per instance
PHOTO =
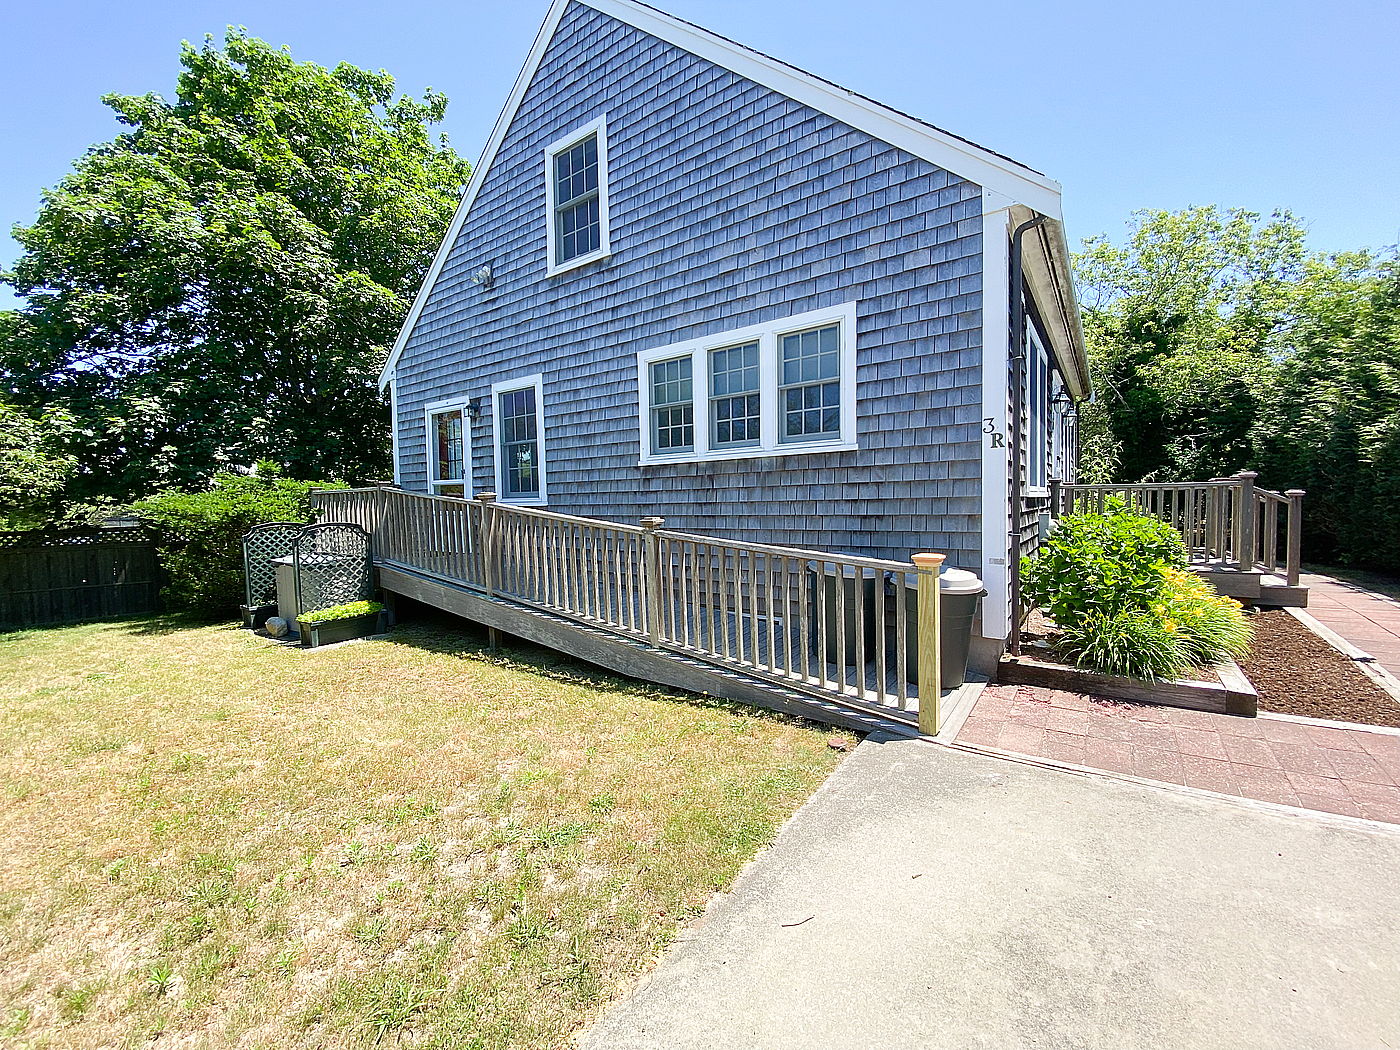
951,152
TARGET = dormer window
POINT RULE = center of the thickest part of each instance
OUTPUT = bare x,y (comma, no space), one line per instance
576,181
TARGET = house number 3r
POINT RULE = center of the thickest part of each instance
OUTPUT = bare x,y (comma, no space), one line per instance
989,427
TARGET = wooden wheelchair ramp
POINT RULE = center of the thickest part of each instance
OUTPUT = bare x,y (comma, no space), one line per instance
836,638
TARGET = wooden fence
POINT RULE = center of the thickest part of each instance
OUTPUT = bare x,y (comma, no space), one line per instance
1227,522
55,577
862,631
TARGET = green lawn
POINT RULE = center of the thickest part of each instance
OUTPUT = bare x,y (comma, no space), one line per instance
226,842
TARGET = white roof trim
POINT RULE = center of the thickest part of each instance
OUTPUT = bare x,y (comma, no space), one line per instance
965,159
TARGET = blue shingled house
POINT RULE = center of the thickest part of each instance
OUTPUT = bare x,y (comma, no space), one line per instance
687,279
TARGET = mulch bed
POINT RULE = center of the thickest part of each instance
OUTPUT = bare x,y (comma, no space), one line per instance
1297,673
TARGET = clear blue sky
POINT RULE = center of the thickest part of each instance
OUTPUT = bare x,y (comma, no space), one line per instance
1252,103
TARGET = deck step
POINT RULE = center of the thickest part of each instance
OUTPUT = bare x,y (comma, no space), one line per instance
1253,587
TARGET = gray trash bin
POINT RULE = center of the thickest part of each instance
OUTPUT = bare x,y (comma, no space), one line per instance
959,591
826,579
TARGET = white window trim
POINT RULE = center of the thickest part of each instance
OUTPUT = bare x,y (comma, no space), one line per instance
767,335
604,249
437,408
505,387
1036,348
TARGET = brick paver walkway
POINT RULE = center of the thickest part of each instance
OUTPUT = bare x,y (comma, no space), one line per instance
1346,771
1367,620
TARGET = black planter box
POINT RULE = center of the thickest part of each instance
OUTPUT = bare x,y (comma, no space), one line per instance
332,631
255,616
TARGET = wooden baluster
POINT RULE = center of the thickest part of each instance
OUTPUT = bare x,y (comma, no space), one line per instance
651,578
1295,535
841,659
862,657
901,638
882,687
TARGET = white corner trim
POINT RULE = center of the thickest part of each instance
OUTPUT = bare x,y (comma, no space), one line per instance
599,127
996,495
458,404
505,386
394,428
766,334
953,154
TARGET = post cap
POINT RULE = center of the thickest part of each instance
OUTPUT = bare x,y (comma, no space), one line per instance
1295,492
486,497
653,522
929,561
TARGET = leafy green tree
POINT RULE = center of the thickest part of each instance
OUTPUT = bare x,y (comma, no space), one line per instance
1331,419
33,469
220,283
1183,321
1218,344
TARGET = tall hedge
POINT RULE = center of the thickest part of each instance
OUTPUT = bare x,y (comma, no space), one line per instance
199,533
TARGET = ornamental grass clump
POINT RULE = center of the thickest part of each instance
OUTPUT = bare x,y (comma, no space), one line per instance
1116,585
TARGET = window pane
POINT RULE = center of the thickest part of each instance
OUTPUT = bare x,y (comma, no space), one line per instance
519,443
449,453
809,373
577,228
734,400
672,410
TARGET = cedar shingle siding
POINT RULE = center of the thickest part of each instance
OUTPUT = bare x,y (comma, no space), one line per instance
730,205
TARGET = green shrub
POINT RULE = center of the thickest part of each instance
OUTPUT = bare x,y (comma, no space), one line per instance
199,534
1101,563
1116,585
348,611
1128,643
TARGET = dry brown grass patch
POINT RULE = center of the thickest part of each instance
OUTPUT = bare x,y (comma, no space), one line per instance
226,842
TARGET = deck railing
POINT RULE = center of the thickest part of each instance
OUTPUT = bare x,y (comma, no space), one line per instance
861,631
1229,522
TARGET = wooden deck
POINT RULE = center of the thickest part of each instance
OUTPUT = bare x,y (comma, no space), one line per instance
1246,540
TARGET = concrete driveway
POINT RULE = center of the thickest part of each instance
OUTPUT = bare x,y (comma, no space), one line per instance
931,897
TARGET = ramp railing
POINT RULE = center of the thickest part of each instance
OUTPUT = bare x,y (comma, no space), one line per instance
860,631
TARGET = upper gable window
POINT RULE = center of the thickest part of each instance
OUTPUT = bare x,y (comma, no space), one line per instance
576,183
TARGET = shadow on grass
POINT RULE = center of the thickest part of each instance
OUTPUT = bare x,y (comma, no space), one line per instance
142,626
432,630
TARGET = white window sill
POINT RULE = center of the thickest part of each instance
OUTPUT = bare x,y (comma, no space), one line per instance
1035,492
722,456
555,269
520,501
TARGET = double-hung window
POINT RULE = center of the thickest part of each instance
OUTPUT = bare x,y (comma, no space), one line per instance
735,397
520,448
576,188
672,405
811,384
783,387
449,448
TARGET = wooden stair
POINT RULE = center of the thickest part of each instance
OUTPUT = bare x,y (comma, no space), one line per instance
1265,589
